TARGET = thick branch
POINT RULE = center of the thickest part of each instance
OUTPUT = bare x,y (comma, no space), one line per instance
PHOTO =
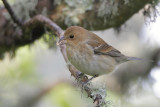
101,15
119,13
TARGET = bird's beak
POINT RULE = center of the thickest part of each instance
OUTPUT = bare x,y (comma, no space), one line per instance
61,41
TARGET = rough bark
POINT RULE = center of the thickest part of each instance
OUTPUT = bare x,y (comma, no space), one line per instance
102,15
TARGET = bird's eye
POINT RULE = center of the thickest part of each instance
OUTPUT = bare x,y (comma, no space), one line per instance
71,36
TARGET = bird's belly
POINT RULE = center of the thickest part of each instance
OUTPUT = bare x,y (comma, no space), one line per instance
96,65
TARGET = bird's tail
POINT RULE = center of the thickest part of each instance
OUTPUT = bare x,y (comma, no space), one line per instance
137,59
134,58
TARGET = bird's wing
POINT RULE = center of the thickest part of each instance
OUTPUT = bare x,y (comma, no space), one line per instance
104,49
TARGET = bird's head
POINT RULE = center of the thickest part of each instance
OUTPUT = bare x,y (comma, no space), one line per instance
74,35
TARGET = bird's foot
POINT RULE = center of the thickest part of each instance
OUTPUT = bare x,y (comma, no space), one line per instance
87,82
84,80
91,78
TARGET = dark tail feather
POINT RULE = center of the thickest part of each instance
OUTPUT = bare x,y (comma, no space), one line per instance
133,58
137,59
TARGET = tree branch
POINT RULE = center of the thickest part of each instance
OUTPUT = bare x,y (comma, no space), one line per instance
98,14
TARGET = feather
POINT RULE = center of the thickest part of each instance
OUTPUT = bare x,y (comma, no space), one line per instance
134,58
138,59
106,49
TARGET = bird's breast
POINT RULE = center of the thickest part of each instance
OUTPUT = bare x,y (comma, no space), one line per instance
87,62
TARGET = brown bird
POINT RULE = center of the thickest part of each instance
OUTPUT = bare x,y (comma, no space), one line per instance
89,53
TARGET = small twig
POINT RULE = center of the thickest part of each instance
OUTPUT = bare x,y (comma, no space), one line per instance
12,14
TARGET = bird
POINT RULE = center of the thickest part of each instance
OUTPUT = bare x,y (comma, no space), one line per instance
89,53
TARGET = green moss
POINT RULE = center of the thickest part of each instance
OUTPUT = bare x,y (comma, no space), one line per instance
126,1
108,7
49,39
73,10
